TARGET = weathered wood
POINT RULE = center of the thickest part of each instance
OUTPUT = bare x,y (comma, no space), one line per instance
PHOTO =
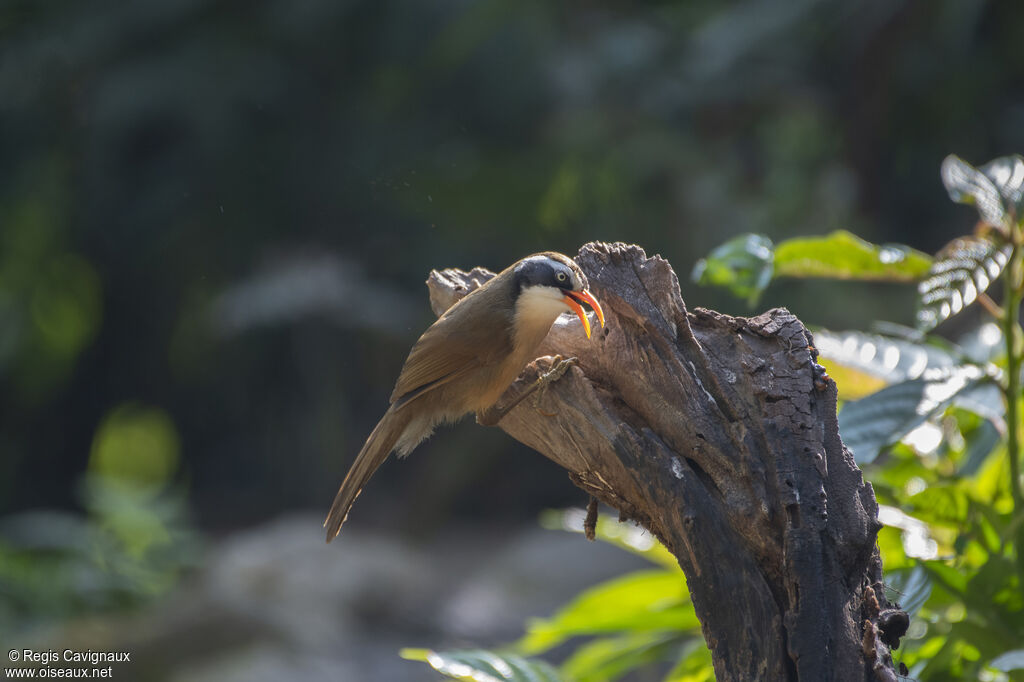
719,435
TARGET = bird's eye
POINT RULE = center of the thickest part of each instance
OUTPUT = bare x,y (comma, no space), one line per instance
561,277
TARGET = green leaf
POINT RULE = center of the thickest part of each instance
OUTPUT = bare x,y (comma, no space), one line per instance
962,270
1009,660
887,360
890,544
842,255
742,265
915,534
909,588
996,575
989,526
984,399
746,264
981,342
989,481
870,424
479,665
996,189
694,665
609,658
1007,174
946,577
968,185
644,601
940,504
627,536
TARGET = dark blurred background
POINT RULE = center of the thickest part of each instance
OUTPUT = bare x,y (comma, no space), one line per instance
216,219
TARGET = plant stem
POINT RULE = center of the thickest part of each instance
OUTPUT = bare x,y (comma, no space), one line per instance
1014,290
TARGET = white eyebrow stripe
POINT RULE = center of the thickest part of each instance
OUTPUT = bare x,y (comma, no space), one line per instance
540,258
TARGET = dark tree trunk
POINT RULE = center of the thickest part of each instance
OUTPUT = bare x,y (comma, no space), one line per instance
718,435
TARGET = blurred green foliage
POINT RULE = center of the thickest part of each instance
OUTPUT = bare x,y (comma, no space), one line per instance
135,447
50,298
744,265
133,542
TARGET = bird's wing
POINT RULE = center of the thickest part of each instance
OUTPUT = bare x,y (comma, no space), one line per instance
446,351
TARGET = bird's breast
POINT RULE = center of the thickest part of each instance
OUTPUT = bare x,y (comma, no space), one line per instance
535,312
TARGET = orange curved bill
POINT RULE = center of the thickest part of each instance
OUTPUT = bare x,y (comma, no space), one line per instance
587,298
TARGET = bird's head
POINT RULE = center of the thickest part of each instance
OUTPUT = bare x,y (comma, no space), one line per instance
551,282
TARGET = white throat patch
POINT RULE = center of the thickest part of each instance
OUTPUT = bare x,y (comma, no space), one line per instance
537,308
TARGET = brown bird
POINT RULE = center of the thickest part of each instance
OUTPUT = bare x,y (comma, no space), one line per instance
467,358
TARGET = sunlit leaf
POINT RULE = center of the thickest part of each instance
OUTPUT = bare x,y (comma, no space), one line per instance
627,536
968,185
989,482
608,658
948,662
1007,174
981,343
742,265
479,665
644,601
985,400
853,384
931,647
869,424
890,544
997,188
940,504
746,264
915,533
962,270
1010,660
863,363
842,255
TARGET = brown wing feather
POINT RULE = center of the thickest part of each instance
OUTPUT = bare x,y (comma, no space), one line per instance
450,348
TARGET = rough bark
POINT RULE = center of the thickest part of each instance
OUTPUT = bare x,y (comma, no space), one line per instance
718,434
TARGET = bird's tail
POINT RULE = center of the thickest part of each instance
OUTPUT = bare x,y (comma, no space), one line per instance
379,445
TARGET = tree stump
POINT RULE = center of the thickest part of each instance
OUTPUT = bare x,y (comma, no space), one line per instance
717,434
